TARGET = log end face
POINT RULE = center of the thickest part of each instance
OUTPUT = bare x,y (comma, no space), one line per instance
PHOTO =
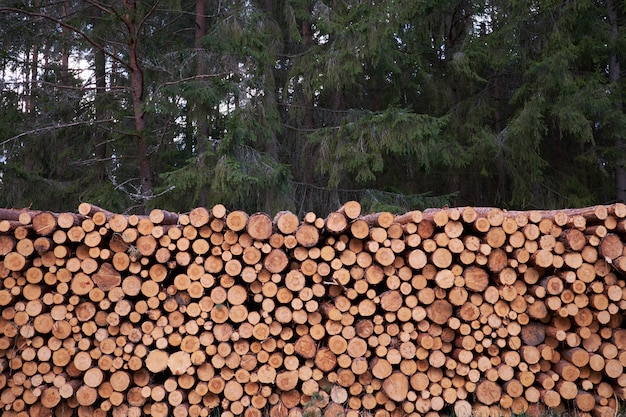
396,386
488,392
288,380
157,361
276,261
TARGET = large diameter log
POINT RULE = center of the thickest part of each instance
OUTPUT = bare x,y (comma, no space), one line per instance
236,220
462,408
157,361
417,259
107,277
306,347
391,300
381,368
14,261
533,333
287,380
585,401
276,261
307,235
439,311
259,226
336,223
179,362
611,247
573,239
396,386
44,223
199,217
351,209
286,222
476,279
488,392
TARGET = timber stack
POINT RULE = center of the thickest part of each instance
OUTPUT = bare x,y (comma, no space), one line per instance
476,311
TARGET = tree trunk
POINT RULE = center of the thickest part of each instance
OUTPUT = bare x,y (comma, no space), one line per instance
99,101
65,49
201,111
614,78
138,98
34,69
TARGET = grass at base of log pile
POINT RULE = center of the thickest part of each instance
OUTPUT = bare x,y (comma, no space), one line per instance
316,407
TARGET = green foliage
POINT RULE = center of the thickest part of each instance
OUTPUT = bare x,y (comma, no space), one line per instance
300,105
521,149
242,180
359,145
375,201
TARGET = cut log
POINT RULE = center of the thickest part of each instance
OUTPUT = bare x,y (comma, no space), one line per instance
287,380
488,392
439,311
396,386
336,222
307,235
259,226
276,261
383,313
351,209
476,279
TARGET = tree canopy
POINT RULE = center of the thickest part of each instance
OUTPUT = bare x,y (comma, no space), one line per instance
269,105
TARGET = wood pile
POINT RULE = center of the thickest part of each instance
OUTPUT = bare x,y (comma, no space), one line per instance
217,313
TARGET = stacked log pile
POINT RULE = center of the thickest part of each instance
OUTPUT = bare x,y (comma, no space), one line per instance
464,310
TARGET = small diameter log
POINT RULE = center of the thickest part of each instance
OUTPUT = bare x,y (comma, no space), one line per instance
158,216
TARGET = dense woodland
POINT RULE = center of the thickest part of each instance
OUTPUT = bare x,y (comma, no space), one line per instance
267,105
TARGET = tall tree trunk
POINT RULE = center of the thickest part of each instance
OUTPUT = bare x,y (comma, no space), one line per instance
307,154
34,68
200,110
100,101
614,78
272,196
137,88
65,48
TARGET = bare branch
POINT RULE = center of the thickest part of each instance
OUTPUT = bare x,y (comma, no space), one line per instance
68,87
196,77
152,9
99,6
86,162
70,27
48,128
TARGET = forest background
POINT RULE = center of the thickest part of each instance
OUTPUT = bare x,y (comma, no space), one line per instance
269,105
